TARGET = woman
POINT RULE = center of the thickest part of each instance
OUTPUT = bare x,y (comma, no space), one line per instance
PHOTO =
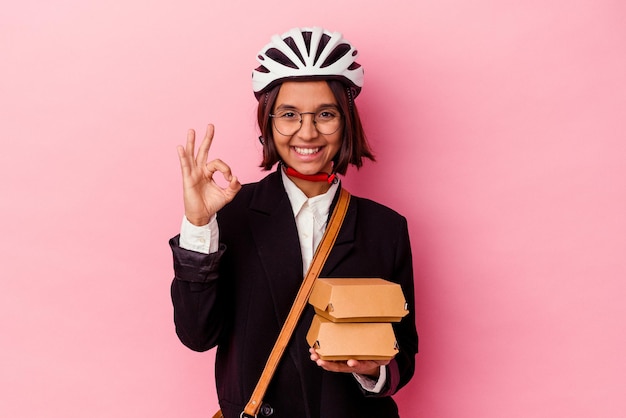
243,250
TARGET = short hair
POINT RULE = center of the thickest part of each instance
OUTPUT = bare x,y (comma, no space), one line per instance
354,145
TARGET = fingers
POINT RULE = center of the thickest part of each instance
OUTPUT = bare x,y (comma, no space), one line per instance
218,165
191,144
187,155
234,185
184,162
204,147
365,367
203,152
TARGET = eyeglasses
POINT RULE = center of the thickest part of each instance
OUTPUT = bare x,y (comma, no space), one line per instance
287,121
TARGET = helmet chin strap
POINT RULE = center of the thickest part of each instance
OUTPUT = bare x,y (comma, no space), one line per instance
330,178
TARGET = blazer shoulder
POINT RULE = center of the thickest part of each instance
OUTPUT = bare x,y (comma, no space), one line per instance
261,195
371,208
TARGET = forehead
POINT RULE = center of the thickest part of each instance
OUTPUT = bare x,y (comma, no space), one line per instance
305,94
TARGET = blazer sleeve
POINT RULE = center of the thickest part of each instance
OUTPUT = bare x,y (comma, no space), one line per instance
198,312
401,368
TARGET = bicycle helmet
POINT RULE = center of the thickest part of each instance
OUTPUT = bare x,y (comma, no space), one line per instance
308,54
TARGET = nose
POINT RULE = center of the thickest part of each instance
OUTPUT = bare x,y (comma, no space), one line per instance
307,126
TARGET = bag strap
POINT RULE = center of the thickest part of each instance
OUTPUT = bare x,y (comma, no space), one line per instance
321,254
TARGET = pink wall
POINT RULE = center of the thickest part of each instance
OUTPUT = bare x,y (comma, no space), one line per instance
500,133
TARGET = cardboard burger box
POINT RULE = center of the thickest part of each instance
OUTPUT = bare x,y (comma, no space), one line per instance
352,340
353,318
358,300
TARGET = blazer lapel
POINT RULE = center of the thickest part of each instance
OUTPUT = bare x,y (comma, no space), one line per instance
276,239
345,239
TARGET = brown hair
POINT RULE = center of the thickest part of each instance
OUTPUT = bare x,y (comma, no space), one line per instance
354,145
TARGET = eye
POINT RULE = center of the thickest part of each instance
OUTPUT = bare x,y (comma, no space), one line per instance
327,114
288,115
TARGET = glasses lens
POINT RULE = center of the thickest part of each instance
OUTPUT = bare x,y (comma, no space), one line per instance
288,122
327,121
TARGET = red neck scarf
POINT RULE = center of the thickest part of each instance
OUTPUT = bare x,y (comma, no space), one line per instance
330,178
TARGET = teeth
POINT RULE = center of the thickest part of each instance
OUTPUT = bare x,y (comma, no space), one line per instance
306,151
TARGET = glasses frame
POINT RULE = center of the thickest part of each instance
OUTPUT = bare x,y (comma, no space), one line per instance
275,116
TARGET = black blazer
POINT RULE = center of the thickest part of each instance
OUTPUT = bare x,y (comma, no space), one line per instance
239,297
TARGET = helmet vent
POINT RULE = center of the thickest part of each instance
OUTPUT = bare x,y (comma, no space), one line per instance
323,42
307,41
338,52
281,58
292,44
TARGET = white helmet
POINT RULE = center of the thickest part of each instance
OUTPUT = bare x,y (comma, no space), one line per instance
307,53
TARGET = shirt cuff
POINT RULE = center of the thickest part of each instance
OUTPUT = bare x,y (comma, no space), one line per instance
202,239
370,384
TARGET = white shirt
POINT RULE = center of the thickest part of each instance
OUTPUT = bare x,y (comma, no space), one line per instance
311,215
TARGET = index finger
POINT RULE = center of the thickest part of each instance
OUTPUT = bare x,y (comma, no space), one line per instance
203,151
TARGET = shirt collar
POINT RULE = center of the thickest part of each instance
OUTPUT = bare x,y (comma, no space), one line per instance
319,205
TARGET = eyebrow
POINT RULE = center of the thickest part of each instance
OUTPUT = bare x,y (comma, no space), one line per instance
292,107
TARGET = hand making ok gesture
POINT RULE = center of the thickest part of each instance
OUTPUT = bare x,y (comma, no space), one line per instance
201,194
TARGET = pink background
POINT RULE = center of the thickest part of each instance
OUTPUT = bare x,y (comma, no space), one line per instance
500,132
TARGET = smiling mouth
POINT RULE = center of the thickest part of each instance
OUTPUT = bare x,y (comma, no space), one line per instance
306,151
